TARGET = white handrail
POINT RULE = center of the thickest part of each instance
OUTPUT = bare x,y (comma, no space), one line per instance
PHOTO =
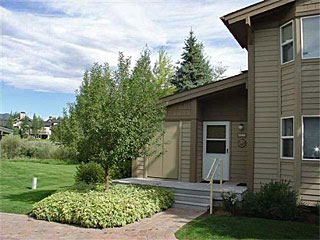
220,165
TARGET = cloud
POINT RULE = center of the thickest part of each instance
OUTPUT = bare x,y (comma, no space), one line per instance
49,49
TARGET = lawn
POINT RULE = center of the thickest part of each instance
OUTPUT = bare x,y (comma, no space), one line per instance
16,195
226,227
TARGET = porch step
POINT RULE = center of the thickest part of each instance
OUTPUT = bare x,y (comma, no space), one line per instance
201,193
190,205
191,198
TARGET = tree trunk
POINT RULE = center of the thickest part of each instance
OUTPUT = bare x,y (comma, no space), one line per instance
106,174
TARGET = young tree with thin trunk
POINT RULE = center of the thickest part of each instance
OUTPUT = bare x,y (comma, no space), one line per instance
35,125
116,114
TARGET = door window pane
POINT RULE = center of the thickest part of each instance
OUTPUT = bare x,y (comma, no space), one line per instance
287,147
311,37
311,137
287,127
216,146
218,132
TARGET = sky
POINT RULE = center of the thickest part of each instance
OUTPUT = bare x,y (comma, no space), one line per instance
47,45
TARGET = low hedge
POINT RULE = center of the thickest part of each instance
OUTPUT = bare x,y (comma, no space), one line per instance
118,206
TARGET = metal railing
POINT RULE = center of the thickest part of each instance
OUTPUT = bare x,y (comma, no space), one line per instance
210,176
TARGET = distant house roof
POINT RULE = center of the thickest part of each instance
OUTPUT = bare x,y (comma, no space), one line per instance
6,130
207,89
237,21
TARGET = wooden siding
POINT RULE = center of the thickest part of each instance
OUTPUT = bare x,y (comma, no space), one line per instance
185,151
238,155
138,167
310,182
228,106
199,150
266,130
179,111
310,87
287,171
288,90
307,7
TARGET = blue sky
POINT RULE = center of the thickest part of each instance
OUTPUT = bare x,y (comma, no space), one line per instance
47,45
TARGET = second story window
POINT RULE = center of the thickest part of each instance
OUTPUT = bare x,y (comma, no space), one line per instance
287,44
310,30
287,137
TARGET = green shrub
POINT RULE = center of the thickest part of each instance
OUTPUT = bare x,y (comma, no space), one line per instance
10,146
118,206
275,200
230,202
89,173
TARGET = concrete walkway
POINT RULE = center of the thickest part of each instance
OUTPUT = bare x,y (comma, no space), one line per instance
160,226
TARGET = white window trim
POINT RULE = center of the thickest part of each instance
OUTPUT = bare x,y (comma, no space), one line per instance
302,135
302,36
285,43
287,137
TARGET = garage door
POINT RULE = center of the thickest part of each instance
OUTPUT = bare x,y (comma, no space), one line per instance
166,165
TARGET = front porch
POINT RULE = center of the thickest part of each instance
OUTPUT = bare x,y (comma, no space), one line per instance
189,195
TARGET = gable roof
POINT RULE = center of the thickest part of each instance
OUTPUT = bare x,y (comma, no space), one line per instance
207,89
237,21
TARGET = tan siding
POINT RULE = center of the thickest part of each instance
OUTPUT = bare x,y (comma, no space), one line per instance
310,87
238,157
180,110
288,90
185,151
140,167
305,7
199,150
310,182
287,171
266,160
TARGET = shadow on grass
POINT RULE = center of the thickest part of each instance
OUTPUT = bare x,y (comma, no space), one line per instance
31,196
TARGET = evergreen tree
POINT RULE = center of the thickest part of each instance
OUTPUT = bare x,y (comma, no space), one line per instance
194,70
24,128
35,125
9,123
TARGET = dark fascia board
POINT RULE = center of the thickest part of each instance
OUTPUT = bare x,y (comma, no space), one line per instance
244,15
207,89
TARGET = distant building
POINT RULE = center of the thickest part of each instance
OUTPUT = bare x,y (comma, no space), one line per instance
5,131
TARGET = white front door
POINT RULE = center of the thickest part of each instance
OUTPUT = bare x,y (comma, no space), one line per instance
216,145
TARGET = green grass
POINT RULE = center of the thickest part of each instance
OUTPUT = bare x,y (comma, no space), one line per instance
16,195
226,227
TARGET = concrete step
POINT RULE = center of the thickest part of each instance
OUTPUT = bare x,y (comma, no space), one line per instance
204,193
191,198
190,205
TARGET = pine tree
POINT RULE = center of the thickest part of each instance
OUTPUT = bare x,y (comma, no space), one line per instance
194,70
35,125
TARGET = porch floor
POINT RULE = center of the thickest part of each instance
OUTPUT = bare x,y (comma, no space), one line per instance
227,186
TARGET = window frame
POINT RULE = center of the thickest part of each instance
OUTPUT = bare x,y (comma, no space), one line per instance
287,42
301,29
287,137
302,136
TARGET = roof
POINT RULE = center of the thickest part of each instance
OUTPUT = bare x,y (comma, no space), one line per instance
6,130
237,21
207,89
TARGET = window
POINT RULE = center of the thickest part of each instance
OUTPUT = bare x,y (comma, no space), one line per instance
310,27
311,138
287,137
286,33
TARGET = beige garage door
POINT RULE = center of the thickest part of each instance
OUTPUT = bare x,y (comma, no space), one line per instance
166,165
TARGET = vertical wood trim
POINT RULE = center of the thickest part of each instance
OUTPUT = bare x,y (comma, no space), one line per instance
180,149
146,164
298,121
193,150
251,105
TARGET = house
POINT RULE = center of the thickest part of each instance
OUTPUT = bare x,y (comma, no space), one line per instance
46,130
5,131
265,123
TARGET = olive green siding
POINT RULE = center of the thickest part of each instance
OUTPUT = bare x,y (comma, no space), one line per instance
185,151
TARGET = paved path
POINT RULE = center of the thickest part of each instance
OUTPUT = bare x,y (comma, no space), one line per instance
160,226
